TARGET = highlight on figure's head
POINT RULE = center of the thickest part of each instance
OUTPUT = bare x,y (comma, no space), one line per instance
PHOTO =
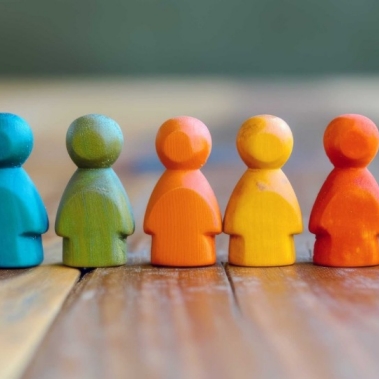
94,141
264,141
351,140
183,143
16,140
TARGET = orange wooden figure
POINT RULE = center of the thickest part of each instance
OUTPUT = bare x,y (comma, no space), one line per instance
183,215
345,216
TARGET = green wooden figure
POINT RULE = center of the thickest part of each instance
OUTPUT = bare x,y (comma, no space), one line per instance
94,215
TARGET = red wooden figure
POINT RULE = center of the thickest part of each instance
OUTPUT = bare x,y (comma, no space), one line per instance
183,215
345,216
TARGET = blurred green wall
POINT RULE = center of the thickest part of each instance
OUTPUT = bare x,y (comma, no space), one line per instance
184,37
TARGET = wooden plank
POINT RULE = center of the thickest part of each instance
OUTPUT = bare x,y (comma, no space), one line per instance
145,322
322,322
29,301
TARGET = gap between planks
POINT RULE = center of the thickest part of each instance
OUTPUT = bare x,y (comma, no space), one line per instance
141,321
321,322
30,299
146,322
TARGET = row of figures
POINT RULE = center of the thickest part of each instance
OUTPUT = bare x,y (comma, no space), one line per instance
182,216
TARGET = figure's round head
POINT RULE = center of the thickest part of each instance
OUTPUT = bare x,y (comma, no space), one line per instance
351,140
16,140
264,142
94,141
183,143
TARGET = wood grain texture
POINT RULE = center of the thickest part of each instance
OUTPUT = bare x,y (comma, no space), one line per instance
94,216
345,216
321,322
183,215
23,217
30,299
145,322
263,213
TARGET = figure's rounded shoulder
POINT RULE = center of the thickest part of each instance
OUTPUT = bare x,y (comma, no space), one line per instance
336,204
19,184
171,180
178,189
343,183
262,211
183,202
254,183
90,203
93,185
184,210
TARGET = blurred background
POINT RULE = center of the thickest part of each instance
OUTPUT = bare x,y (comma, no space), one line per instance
144,61
139,37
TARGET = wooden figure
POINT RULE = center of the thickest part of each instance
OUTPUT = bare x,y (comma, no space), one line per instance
263,213
345,216
94,216
23,217
183,215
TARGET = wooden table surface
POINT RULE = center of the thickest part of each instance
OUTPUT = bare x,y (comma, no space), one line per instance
138,321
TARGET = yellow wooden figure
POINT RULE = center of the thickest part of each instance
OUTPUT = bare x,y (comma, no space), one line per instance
263,213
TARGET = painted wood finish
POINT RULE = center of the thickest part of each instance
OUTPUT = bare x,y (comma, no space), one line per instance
345,216
23,217
183,215
94,216
263,213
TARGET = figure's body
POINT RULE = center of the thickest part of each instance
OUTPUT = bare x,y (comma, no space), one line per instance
182,215
263,213
345,216
23,217
94,216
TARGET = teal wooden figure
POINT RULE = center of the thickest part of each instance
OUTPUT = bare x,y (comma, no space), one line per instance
23,217
94,215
